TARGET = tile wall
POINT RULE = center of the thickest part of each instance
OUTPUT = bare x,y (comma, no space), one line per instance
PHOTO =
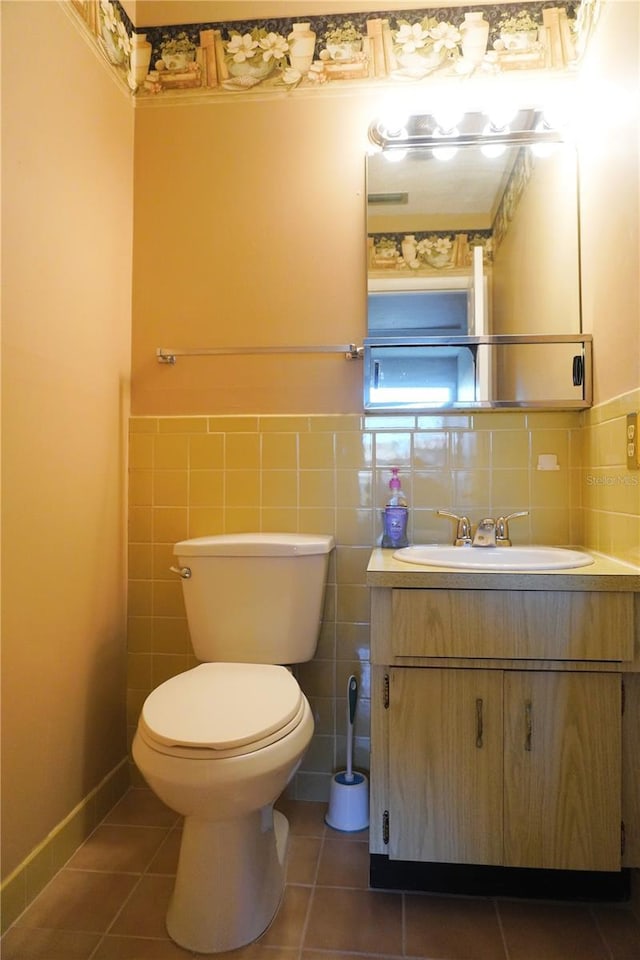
201,475
610,491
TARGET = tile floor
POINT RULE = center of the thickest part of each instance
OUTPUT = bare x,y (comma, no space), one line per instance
109,902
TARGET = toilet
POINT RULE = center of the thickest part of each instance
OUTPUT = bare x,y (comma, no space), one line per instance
220,742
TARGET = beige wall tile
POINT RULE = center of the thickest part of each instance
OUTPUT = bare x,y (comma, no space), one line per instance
170,488
140,524
242,488
509,448
170,524
206,488
205,521
141,488
182,424
242,451
280,520
317,451
279,488
170,452
206,452
470,450
317,488
141,451
279,451
353,450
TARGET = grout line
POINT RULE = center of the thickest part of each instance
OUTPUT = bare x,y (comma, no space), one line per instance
503,936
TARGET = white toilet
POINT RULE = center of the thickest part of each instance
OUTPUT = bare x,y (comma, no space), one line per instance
220,742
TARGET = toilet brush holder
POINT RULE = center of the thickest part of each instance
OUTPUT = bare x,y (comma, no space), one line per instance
348,803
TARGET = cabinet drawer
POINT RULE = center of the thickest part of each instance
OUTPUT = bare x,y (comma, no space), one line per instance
514,624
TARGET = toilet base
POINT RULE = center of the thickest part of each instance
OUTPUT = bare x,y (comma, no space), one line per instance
230,881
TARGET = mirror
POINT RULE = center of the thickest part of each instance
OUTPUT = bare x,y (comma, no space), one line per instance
475,233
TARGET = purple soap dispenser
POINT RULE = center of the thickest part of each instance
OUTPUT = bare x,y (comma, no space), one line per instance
396,514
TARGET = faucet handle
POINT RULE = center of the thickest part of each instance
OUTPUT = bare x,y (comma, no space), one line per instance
463,529
502,527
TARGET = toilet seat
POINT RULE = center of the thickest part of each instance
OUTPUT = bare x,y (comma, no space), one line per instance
221,710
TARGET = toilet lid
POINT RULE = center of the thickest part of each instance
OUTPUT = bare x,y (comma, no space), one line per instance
222,706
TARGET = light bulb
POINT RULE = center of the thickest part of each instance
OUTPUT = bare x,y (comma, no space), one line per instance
501,115
393,155
447,119
444,153
492,150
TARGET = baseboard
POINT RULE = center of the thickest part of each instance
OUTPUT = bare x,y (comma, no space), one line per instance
489,881
24,884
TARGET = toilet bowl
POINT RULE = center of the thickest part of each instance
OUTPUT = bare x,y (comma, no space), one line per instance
220,742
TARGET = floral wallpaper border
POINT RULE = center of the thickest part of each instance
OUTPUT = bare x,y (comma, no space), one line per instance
283,54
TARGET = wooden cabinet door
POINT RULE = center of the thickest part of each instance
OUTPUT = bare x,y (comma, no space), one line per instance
445,765
562,770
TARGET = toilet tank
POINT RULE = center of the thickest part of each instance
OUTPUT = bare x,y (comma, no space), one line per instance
254,598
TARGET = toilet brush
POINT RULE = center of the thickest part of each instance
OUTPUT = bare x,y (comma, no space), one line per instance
349,798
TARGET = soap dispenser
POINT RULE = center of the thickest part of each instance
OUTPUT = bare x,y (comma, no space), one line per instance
396,514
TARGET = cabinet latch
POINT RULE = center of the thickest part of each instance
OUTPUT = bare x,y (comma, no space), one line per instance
385,691
385,827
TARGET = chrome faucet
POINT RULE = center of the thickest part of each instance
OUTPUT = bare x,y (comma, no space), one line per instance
485,535
489,532
502,528
463,528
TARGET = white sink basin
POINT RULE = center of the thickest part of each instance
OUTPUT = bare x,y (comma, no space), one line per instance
493,558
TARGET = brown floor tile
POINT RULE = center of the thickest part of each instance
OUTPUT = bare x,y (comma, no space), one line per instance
332,955
342,866
361,836
364,921
138,948
79,900
141,808
255,951
110,903
455,928
306,819
620,930
544,931
24,943
145,912
118,849
302,860
166,859
288,925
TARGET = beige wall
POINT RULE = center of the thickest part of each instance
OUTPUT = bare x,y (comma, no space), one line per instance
610,185
250,231
67,214
542,232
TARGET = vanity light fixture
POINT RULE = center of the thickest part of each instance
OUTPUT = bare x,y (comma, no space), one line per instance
436,132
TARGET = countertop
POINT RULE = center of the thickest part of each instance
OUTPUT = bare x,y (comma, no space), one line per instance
605,573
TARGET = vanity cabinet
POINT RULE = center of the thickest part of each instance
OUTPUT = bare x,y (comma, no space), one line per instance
499,731
513,768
